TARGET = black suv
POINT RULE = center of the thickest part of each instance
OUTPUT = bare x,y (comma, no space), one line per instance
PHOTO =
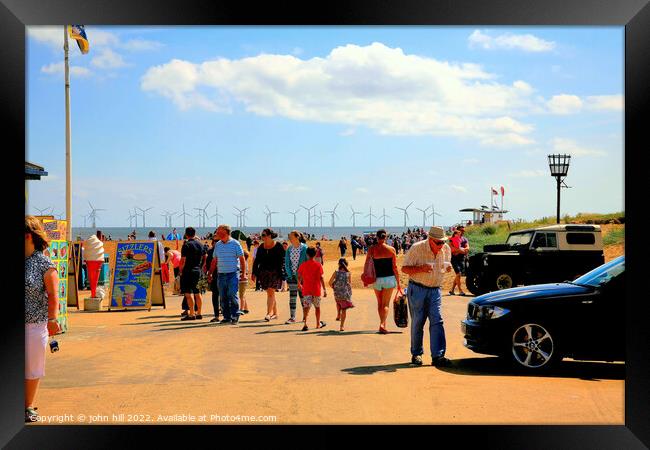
537,255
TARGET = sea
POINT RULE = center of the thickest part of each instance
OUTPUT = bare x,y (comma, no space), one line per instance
332,233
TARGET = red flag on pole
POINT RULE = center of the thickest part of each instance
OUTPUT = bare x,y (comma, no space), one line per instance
495,192
503,191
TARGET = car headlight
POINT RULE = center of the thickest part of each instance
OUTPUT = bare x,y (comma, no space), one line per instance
491,312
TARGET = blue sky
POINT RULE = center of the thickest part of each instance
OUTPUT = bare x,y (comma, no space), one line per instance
360,116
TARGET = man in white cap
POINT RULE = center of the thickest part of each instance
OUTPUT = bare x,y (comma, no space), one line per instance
426,263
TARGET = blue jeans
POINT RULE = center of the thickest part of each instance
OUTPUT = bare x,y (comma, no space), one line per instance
228,284
425,303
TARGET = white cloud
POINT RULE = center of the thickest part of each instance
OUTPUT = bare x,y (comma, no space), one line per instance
605,102
51,36
509,41
564,104
58,69
562,145
571,104
529,173
457,188
362,190
374,86
470,161
348,132
297,51
108,59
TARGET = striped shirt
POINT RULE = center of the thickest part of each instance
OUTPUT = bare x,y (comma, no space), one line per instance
227,255
420,254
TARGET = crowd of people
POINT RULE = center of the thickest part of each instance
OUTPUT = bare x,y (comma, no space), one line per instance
275,265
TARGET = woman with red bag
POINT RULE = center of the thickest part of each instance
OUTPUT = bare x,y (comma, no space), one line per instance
384,260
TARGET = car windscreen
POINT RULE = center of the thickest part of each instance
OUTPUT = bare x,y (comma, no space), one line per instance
601,275
519,238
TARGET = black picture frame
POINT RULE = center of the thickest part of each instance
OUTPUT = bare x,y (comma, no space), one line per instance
633,14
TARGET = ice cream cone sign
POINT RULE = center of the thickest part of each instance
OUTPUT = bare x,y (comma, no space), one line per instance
94,256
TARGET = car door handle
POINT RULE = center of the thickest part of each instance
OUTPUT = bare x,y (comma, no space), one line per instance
587,302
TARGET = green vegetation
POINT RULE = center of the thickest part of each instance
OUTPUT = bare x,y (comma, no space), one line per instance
481,235
614,237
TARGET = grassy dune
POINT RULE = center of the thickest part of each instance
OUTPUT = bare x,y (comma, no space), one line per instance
612,226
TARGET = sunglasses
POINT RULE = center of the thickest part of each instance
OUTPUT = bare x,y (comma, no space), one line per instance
264,235
438,242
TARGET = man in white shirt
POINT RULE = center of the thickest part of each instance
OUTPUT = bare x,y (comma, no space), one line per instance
425,263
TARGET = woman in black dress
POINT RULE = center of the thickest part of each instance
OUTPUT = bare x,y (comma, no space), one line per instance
267,268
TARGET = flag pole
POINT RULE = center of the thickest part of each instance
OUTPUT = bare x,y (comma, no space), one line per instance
68,174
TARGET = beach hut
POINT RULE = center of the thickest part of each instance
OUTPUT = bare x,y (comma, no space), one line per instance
485,215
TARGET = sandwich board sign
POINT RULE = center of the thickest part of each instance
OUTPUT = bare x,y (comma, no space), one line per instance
135,275
58,252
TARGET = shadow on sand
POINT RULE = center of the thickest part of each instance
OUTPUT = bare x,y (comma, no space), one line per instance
369,370
494,366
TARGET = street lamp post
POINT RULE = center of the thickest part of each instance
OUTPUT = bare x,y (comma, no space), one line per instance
559,166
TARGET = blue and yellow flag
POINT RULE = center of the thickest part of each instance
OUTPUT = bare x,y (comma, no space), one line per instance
78,33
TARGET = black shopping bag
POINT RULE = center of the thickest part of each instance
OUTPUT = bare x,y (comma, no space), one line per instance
401,311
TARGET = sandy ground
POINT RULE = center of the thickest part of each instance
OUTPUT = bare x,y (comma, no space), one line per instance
149,367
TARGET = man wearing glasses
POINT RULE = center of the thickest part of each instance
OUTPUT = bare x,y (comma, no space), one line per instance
425,263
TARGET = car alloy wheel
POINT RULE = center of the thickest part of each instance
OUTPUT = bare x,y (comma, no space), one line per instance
533,346
504,281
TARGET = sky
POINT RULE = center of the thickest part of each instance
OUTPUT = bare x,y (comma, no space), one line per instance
361,117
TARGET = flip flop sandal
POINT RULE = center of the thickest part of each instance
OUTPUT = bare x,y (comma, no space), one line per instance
305,328
273,317
267,317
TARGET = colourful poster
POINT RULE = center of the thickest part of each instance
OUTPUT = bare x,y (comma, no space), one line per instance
58,253
132,274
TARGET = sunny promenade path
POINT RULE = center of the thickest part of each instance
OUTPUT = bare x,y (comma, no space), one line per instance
151,364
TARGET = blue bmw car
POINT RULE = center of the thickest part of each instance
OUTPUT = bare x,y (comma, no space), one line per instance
536,326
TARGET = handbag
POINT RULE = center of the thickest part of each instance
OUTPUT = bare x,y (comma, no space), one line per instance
369,276
401,311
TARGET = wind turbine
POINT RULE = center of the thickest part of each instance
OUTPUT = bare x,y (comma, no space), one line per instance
241,216
320,218
93,213
309,213
383,216
130,219
370,216
184,214
144,211
57,215
406,214
434,214
41,211
167,216
171,215
205,212
354,215
294,216
424,215
269,215
333,214
216,216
